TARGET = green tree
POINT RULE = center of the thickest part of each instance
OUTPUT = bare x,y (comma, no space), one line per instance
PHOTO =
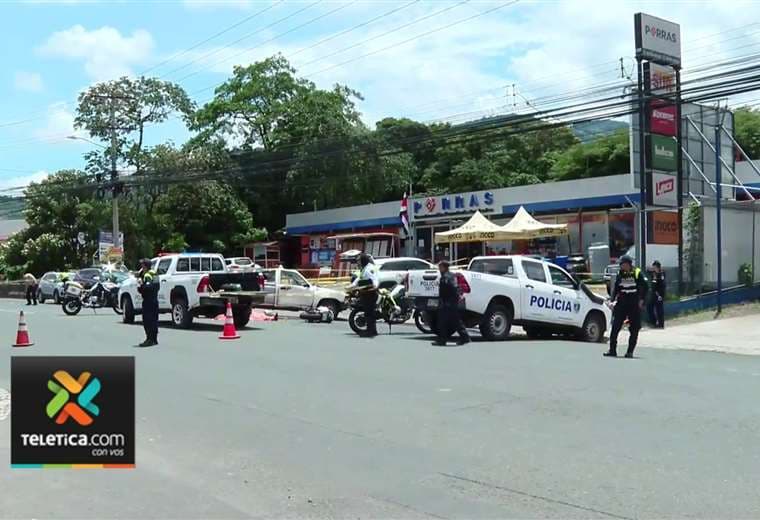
207,215
608,155
747,130
124,108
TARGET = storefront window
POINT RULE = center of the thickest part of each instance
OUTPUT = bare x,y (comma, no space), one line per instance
622,232
441,251
569,244
424,243
468,250
595,230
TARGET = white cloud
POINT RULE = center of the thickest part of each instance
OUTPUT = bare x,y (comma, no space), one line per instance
106,53
21,181
59,124
28,81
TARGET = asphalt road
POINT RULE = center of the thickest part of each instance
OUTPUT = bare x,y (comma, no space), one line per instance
298,420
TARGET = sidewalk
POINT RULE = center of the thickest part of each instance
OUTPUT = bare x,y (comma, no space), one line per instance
739,335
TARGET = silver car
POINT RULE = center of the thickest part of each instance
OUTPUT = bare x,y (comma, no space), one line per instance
49,287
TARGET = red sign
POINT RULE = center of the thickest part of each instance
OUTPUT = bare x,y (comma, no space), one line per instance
663,120
430,204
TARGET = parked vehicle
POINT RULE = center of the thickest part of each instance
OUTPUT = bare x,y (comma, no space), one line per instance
391,271
393,307
86,277
48,287
195,285
103,293
241,263
288,289
502,291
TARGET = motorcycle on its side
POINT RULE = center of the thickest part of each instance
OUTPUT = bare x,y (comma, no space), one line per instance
101,295
393,307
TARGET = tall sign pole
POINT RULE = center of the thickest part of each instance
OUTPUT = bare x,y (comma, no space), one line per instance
642,260
679,179
658,43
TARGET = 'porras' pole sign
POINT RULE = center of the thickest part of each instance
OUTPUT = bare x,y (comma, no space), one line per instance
657,40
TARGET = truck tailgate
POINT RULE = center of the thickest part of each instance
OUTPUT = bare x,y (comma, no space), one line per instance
423,283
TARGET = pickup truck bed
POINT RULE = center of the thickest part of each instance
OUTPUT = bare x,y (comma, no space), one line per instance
241,290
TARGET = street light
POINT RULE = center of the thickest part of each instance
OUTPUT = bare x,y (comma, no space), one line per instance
77,138
114,188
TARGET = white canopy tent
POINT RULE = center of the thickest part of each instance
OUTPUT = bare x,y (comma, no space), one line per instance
523,226
477,229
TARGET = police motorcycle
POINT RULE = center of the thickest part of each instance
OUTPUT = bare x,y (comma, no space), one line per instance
103,293
393,307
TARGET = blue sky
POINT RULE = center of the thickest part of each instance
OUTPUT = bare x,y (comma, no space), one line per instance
53,50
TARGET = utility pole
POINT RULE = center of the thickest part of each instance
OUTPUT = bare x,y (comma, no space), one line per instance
718,223
114,176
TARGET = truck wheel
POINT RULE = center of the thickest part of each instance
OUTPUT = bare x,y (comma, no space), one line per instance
241,316
496,322
129,310
332,305
181,316
593,329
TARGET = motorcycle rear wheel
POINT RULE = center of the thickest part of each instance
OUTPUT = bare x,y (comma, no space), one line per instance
71,306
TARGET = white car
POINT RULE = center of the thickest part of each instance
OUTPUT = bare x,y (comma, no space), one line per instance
241,263
392,271
288,289
501,291
195,284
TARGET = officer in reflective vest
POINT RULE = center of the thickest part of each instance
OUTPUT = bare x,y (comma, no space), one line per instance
368,282
148,288
628,294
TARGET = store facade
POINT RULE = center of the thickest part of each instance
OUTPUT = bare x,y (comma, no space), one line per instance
597,211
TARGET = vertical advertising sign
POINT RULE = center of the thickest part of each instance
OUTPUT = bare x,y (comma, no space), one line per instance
662,120
657,40
662,153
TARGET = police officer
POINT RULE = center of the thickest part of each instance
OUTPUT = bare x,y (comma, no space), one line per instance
148,288
368,282
448,308
628,294
657,301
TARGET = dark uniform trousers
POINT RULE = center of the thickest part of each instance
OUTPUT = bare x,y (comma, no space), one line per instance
449,322
149,292
368,300
626,308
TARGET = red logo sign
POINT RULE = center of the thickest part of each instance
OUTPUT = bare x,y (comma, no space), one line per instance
664,186
663,120
430,204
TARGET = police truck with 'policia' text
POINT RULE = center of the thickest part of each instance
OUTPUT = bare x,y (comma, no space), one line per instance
502,291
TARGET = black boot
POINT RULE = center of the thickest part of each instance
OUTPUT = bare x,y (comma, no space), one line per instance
610,353
629,353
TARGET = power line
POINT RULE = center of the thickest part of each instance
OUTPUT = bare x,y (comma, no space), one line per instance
244,51
206,40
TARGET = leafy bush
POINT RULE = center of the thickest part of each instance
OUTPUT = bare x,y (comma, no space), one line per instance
746,276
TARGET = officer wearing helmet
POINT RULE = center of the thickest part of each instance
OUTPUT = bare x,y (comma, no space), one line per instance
628,295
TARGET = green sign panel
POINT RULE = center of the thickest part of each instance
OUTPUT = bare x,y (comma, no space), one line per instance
663,153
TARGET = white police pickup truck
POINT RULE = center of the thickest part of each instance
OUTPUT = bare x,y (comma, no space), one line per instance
501,291
196,285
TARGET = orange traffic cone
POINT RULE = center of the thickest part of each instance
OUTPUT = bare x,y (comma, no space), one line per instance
229,331
22,336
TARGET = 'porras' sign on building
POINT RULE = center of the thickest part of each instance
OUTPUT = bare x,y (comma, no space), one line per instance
453,203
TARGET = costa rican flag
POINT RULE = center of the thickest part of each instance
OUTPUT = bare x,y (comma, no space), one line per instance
403,214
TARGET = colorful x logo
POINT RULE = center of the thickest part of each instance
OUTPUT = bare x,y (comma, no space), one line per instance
84,388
